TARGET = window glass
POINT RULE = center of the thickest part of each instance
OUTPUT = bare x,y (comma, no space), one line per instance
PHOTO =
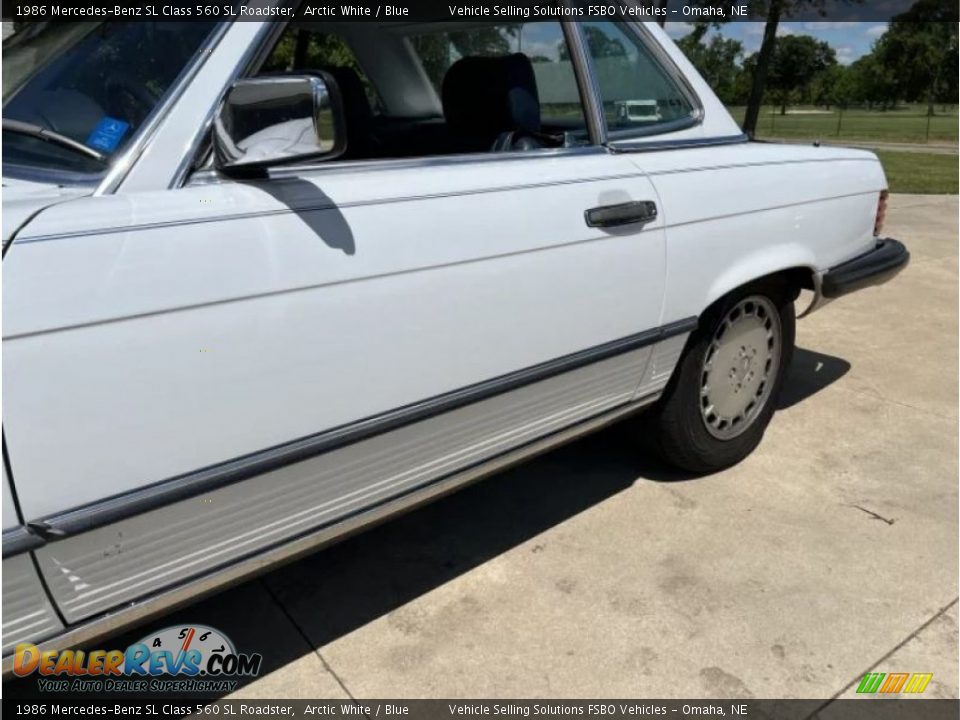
542,42
392,80
636,92
93,84
303,49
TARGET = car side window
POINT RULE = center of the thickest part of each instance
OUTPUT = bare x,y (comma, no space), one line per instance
542,43
638,95
300,49
424,90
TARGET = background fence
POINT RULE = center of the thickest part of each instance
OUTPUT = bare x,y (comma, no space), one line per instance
906,123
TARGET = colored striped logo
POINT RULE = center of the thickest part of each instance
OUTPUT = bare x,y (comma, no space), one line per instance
894,683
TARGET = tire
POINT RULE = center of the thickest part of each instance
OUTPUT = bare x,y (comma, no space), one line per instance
704,422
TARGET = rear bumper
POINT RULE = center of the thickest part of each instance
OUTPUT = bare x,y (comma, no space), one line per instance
877,266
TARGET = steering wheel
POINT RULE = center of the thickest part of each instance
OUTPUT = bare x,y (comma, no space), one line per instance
128,98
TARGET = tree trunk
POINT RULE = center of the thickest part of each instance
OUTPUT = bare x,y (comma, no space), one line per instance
662,19
932,95
752,115
783,107
300,50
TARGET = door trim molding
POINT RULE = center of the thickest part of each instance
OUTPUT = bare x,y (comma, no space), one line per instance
20,539
640,144
181,487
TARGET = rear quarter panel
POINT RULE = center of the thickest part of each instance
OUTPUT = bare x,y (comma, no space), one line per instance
738,212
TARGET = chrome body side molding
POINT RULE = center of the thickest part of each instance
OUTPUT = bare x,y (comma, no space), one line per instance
641,145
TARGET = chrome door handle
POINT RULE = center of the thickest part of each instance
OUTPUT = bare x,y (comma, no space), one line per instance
637,211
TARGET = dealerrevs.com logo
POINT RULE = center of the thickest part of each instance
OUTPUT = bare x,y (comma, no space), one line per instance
192,658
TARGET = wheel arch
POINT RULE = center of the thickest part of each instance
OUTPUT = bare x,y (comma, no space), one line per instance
792,265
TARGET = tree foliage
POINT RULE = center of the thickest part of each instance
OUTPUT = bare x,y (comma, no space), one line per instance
599,43
920,51
916,60
773,10
718,60
300,48
438,51
796,62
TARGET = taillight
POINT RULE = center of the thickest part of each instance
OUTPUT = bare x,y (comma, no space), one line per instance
881,213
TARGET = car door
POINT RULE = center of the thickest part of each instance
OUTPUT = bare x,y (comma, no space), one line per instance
27,611
196,374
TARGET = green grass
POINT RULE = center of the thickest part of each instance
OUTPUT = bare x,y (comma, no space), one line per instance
908,123
922,173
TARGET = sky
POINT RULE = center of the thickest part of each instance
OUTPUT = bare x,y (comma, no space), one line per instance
850,40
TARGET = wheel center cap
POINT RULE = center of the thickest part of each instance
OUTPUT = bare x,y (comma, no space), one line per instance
741,368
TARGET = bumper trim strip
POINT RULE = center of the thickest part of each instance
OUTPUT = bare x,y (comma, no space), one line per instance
877,266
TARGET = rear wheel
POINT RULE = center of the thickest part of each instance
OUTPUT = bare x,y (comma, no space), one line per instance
724,391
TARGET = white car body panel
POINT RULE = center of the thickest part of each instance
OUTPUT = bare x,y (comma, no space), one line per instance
221,309
22,200
784,206
158,332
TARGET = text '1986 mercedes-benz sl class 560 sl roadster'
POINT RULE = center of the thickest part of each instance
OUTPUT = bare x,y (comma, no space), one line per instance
267,283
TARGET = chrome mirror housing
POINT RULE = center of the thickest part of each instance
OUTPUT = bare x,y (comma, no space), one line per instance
278,119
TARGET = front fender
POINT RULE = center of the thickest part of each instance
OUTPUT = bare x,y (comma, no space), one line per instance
23,201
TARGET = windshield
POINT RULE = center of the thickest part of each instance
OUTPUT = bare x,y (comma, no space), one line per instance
94,83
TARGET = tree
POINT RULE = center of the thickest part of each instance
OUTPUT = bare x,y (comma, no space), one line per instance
796,61
744,81
691,41
759,79
300,48
662,19
718,61
828,88
438,51
871,82
774,11
599,44
920,50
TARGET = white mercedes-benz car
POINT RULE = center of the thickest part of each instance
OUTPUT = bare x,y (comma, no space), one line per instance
267,283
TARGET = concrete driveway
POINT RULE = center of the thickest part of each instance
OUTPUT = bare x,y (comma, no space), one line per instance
594,571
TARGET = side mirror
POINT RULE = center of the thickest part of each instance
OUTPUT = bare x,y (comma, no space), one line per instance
278,119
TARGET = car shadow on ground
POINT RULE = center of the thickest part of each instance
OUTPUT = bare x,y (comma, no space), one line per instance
810,372
297,608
